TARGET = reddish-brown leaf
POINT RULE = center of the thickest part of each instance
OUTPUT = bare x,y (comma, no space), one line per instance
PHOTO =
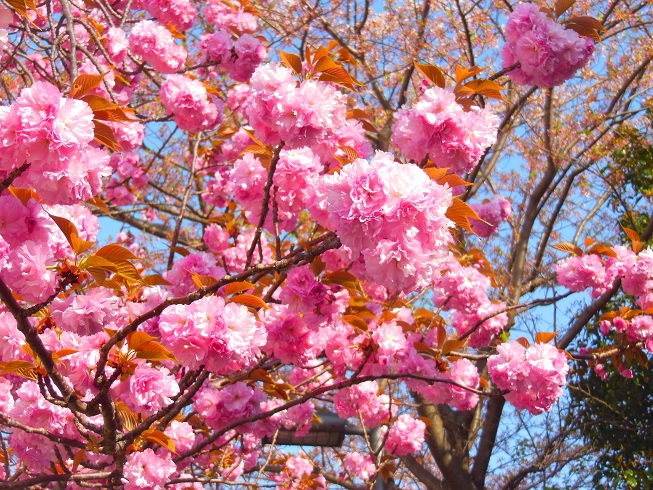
465,73
562,6
432,73
568,247
292,61
238,287
115,252
249,300
83,84
544,337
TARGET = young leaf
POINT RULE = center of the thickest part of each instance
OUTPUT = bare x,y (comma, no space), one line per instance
602,249
465,73
292,61
203,281
481,87
24,195
99,203
115,252
524,341
589,241
158,437
568,247
436,173
356,322
156,280
104,135
562,6
238,287
136,339
632,234
70,232
154,351
544,337
127,417
451,345
432,73
460,212
249,300
83,84
453,180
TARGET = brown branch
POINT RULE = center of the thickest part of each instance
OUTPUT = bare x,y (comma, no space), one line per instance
265,205
331,241
13,175
36,344
422,474
184,202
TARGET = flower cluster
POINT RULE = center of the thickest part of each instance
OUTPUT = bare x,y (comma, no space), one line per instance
147,469
233,15
359,465
31,244
223,337
290,338
233,402
6,17
493,212
156,45
532,378
280,110
362,400
591,271
391,216
240,57
179,13
53,135
437,126
463,373
292,190
638,328
188,101
548,53
463,290
406,436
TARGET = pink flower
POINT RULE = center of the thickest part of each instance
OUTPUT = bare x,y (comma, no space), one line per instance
578,273
493,212
533,377
392,216
189,103
439,127
200,263
298,468
232,15
548,53
26,271
462,372
233,402
406,436
303,115
182,435
88,314
11,339
216,238
180,13
359,465
148,470
155,44
290,338
150,389
224,337
362,400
